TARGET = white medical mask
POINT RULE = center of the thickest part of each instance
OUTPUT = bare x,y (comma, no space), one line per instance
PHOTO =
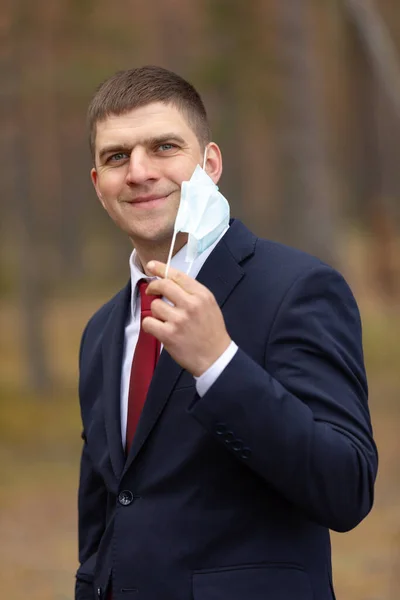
203,213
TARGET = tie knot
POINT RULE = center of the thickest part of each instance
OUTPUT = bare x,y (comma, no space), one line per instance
145,300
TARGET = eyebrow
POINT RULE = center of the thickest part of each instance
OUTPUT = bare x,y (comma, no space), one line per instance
152,141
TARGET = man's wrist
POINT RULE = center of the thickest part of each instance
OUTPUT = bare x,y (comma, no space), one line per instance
206,379
207,363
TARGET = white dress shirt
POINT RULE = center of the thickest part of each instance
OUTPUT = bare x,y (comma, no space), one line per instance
132,328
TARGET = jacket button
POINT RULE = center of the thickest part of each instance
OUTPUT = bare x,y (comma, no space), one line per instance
229,437
99,592
246,453
220,429
237,445
125,498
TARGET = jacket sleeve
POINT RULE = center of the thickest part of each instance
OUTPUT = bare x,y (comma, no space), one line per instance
92,507
301,419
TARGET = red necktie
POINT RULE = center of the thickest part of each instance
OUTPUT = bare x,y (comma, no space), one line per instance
144,362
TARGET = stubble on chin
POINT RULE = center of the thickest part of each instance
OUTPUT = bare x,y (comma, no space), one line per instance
149,231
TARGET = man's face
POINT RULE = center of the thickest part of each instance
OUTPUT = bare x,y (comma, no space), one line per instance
141,159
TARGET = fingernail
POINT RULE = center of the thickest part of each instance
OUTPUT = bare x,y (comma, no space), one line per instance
151,265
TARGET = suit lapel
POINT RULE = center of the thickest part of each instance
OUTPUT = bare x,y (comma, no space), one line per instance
112,351
220,274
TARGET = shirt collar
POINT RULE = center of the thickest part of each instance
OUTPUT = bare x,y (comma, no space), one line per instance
177,262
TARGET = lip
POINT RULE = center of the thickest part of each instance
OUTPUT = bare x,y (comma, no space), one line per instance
142,199
147,201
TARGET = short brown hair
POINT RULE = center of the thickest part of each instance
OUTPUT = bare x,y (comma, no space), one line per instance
127,90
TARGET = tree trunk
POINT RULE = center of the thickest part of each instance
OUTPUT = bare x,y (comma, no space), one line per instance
307,218
31,297
378,44
375,93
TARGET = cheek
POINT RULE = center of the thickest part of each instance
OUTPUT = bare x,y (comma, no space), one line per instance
172,205
184,174
110,183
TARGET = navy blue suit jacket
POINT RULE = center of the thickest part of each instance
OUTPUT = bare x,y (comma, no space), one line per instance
231,495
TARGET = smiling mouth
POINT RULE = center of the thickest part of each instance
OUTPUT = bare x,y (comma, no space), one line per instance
148,201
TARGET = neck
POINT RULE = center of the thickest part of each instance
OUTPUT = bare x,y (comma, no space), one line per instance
159,252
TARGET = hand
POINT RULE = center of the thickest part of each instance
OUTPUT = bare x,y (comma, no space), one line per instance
193,330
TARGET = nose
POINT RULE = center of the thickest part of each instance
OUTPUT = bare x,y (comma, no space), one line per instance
141,168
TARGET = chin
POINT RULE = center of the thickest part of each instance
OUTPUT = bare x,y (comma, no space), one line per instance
156,235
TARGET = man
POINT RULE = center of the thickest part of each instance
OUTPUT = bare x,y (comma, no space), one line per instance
254,438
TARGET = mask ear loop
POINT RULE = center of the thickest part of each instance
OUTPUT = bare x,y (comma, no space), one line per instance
170,254
205,158
189,267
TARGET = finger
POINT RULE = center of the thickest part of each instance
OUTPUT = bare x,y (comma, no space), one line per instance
169,289
184,281
163,311
160,329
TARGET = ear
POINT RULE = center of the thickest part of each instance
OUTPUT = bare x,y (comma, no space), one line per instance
95,180
213,166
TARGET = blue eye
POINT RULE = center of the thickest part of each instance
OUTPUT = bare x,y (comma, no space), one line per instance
118,156
166,147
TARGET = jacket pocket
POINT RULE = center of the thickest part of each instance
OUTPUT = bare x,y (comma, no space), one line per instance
253,582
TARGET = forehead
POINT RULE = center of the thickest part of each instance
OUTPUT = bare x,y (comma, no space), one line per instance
140,124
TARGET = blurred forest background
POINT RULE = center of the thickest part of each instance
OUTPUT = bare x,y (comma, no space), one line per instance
304,100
